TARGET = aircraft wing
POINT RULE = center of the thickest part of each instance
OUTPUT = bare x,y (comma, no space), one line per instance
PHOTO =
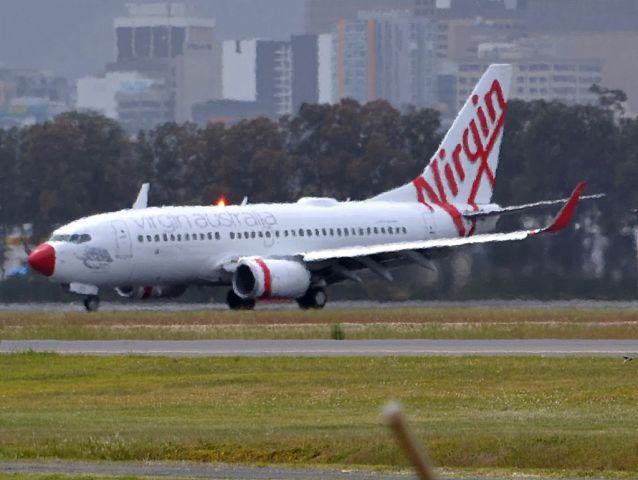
561,220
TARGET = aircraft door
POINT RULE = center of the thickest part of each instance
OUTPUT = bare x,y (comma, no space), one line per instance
123,244
429,220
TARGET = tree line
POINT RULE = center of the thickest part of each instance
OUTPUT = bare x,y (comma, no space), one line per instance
83,163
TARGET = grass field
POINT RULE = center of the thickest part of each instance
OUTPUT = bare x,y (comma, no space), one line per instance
470,323
517,413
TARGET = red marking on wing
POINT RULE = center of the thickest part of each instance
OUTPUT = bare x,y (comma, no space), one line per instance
267,277
565,215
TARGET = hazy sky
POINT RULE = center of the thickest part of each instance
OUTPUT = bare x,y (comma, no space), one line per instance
75,37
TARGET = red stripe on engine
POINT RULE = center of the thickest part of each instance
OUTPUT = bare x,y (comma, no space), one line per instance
147,292
267,278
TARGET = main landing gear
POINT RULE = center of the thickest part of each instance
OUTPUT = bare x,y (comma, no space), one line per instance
315,298
91,303
235,302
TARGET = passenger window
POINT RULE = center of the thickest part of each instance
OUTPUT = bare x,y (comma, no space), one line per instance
179,237
309,232
261,234
345,232
232,235
293,233
361,232
332,232
149,238
157,238
285,233
301,232
369,230
375,230
140,238
353,231
217,236
209,235
172,237
253,234
238,235
383,230
187,237
165,237
317,232
277,233
324,233
390,230
405,230
338,232
267,234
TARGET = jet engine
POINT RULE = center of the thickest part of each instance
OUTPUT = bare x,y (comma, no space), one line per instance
143,293
257,277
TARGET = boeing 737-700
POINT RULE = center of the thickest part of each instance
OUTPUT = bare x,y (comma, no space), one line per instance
296,250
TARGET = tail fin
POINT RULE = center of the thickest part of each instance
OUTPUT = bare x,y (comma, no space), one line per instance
463,169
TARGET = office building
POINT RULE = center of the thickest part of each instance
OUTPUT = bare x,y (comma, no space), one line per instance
387,56
169,44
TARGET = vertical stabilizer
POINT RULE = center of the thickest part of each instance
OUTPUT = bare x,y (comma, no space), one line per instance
463,169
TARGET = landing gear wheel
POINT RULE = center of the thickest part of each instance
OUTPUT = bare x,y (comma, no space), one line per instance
315,298
92,303
235,302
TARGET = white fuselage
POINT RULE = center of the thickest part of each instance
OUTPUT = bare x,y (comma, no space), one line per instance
185,245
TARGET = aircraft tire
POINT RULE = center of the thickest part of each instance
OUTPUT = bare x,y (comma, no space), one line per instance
92,303
315,298
235,302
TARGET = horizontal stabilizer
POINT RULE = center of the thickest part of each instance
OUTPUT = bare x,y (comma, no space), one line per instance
525,208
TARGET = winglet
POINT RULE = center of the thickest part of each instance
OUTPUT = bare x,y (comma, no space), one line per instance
142,197
563,217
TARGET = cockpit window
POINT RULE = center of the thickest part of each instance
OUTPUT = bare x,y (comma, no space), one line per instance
74,238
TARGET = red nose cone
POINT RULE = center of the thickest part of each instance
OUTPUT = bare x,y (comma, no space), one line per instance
42,259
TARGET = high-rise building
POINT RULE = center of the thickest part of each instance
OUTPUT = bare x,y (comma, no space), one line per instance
279,76
168,43
321,15
539,78
385,55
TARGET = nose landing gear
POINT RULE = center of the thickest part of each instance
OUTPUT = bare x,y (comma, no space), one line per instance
91,303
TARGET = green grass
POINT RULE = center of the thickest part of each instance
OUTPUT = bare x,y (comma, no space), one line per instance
470,412
471,323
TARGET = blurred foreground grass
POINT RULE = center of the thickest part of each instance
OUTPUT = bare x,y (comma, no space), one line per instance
467,323
470,412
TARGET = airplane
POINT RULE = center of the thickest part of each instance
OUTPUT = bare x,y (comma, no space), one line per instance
295,250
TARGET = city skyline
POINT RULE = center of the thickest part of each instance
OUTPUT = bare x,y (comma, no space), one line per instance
29,25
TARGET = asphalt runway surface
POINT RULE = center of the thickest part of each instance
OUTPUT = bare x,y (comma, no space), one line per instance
327,348
159,306
211,471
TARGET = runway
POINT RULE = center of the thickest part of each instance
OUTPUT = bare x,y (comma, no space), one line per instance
209,471
327,348
163,306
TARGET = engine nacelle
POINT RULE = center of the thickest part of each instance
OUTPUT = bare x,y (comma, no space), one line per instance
257,277
143,293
